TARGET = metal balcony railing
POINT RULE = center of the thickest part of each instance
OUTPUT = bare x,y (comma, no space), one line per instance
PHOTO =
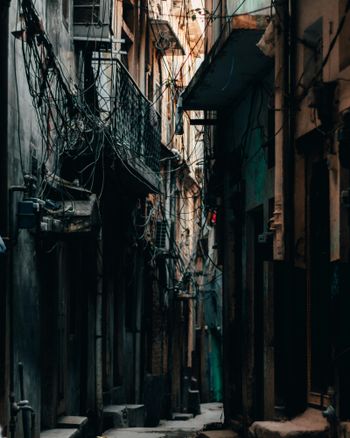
134,122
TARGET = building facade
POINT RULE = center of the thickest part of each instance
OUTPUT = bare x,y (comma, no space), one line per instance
95,182
276,116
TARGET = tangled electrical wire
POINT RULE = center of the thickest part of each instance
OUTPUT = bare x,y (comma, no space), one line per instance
118,117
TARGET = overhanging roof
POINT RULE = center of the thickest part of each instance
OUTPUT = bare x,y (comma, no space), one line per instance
227,71
166,38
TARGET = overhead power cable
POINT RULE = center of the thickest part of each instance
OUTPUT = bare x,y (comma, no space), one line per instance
203,13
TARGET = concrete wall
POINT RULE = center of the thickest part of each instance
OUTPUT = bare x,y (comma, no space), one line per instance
24,140
32,283
296,154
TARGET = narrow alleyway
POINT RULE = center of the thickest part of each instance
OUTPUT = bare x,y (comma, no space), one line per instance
210,418
175,218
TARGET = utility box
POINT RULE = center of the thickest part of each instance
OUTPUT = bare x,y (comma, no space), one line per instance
27,214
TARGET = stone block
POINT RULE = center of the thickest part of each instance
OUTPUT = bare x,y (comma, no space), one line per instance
310,424
181,416
125,415
72,422
60,433
226,433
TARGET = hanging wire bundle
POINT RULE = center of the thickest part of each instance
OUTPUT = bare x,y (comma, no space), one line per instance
119,118
122,118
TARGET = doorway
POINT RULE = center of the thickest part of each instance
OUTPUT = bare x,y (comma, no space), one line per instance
319,351
255,284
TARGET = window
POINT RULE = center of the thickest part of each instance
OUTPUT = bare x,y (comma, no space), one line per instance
91,19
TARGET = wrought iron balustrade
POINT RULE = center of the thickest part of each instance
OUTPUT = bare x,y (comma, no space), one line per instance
135,124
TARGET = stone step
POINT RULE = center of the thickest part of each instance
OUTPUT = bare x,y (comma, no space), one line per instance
60,433
181,416
137,433
71,422
225,433
311,422
125,415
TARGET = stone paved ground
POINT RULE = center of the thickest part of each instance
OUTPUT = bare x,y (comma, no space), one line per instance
310,424
211,414
218,434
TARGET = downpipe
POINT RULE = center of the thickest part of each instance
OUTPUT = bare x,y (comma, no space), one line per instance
21,406
98,345
9,224
4,225
14,408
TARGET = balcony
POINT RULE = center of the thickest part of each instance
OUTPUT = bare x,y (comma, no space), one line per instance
135,125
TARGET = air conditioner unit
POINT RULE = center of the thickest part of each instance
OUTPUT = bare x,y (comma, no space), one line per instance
162,241
91,20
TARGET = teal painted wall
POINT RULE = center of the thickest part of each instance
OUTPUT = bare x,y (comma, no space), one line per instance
248,133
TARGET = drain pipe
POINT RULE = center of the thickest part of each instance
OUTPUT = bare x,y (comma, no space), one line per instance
8,222
98,345
22,405
4,293
12,236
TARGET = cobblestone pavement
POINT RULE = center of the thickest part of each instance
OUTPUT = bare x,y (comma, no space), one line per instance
211,414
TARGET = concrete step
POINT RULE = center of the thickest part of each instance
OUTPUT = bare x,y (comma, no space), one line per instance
72,422
311,422
134,433
225,433
60,433
181,416
124,415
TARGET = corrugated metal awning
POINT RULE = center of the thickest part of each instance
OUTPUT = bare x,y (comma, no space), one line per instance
166,39
229,68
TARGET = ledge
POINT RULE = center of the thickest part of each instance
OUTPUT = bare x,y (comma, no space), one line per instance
310,423
60,433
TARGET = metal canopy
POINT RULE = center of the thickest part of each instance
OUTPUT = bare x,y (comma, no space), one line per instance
166,38
227,71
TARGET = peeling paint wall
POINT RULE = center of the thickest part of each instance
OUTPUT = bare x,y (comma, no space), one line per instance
25,149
